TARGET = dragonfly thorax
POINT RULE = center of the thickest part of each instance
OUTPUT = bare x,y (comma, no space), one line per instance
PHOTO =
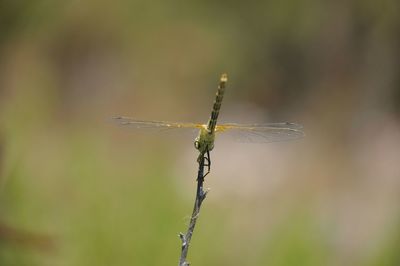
205,140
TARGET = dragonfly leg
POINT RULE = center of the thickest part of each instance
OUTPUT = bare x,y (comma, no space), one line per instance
207,158
204,160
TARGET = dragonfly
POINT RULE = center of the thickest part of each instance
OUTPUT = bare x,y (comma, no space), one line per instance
204,142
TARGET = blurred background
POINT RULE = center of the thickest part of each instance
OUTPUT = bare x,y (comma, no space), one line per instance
76,189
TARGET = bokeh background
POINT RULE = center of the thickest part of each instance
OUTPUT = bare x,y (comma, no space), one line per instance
76,189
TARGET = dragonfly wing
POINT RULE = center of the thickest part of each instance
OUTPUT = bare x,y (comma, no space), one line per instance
133,123
288,125
259,133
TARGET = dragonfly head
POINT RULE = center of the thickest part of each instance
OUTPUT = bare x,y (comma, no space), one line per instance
204,141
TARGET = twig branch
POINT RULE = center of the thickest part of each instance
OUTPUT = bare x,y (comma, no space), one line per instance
200,196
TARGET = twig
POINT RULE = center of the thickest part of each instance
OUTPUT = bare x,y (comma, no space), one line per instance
200,196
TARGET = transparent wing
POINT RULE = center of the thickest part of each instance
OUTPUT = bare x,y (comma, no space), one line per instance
270,132
133,123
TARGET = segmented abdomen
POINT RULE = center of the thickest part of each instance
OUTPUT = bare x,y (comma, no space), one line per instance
217,104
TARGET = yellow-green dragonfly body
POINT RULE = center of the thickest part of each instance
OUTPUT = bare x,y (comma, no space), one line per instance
204,142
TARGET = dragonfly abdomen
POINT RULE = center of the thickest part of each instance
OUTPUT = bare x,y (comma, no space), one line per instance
217,104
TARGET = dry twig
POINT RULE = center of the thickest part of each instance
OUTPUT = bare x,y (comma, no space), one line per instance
200,196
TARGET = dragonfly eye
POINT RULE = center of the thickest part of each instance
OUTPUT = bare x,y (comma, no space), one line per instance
196,144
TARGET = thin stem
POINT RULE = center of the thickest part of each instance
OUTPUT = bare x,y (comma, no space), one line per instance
200,196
